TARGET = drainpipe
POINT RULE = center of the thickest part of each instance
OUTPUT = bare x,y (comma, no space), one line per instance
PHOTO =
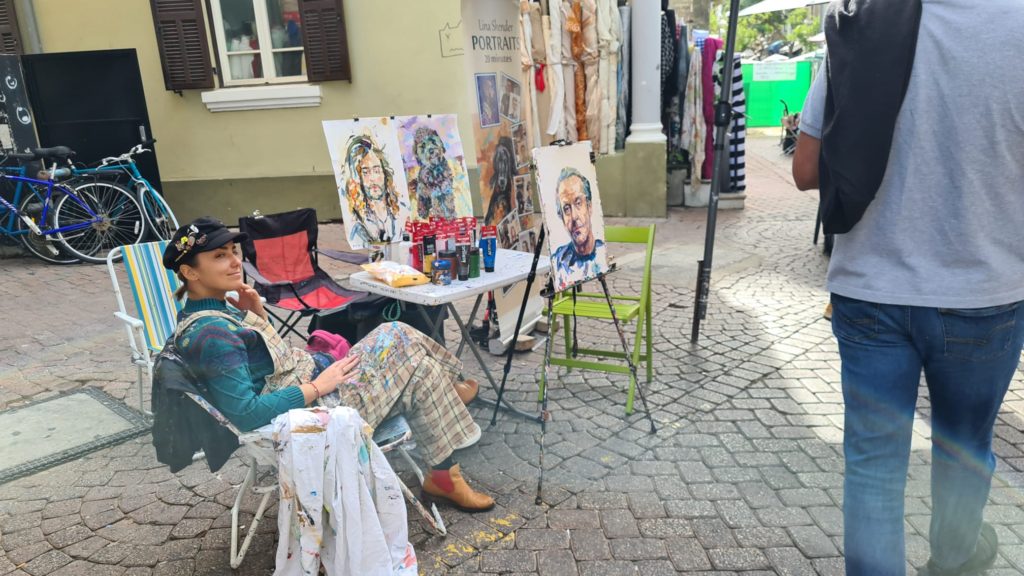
26,11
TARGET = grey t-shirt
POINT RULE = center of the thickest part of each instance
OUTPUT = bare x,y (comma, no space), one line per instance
946,228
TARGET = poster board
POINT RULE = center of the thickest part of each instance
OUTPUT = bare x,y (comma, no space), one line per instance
493,44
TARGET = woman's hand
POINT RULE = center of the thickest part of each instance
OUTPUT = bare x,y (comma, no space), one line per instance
249,301
335,374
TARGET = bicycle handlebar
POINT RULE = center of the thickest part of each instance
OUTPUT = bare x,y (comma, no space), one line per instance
127,156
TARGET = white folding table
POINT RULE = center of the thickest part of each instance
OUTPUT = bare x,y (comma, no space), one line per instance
511,266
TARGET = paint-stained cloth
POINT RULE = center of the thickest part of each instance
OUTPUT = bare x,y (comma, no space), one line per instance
340,503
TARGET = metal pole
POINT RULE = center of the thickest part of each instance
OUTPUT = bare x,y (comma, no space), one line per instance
723,118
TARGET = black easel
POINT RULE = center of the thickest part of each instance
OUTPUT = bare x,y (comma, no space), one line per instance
549,295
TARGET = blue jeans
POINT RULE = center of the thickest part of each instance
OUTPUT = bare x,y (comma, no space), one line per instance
968,358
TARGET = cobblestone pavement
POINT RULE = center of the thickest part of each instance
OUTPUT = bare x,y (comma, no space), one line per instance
743,477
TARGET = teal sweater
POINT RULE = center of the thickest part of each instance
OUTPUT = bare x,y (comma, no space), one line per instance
233,362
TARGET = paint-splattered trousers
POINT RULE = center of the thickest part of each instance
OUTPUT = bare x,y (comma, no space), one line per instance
403,371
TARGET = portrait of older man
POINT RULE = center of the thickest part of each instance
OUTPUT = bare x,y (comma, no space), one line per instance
583,257
373,198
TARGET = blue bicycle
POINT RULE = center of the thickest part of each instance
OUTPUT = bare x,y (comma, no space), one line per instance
160,219
61,225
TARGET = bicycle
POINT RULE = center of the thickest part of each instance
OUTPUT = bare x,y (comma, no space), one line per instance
61,225
160,219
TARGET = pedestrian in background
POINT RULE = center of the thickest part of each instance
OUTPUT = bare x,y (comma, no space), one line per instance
915,134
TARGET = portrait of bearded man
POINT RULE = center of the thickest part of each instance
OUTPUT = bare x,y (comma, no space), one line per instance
372,196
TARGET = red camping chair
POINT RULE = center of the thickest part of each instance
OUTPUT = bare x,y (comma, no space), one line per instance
280,256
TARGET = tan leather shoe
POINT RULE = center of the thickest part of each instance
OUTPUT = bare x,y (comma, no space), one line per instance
449,486
467,390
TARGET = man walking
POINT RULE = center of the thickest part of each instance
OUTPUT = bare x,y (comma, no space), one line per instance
928,272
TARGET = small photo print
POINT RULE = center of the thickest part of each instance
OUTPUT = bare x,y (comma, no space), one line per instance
527,241
520,143
487,99
504,238
524,194
514,228
511,99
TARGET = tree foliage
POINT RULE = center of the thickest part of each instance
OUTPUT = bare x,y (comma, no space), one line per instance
757,32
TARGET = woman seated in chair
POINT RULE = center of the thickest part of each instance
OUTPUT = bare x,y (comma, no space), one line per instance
253,375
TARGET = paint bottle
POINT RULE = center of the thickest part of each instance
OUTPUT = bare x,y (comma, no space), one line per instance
449,257
403,254
462,255
441,273
429,249
489,246
474,262
416,253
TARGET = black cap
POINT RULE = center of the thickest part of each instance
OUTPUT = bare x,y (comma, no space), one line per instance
201,235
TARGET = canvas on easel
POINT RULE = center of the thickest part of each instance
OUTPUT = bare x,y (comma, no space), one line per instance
571,206
372,186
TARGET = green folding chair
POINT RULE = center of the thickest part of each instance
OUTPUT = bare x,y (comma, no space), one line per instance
627,308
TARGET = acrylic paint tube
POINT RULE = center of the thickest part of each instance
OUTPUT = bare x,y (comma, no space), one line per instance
474,262
462,254
489,246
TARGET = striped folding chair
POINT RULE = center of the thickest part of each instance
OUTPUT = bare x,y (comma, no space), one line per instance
155,310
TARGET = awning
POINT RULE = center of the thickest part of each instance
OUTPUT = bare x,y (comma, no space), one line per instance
778,5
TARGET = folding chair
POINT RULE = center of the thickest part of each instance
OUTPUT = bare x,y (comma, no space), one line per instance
281,256
627,308
392,434
156,310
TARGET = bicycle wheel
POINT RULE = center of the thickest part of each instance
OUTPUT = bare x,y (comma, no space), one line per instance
118,221
160,218
38,245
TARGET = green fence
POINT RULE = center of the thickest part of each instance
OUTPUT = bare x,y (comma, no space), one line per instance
767,83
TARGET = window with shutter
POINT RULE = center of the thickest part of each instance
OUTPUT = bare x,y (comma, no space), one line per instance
181,36
325,39
10,41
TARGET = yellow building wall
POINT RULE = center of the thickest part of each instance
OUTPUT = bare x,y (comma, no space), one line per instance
397,68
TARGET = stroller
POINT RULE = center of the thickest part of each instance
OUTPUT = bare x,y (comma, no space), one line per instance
790,130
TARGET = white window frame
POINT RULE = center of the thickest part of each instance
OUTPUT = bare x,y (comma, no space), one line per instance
266,50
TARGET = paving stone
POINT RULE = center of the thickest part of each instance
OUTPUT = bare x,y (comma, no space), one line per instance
783,517
590,545
687,554
804,497
638,549
574,519
738,559
81,568
713,533
761,537
619,524
28,552
86,548
159,513
545,539
47,562
664,528
52,525
175,568
508,561
813,542
111,554
556,563
655,568
191,527
691,509
69,536
608,568
62,508
646,505
789,562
